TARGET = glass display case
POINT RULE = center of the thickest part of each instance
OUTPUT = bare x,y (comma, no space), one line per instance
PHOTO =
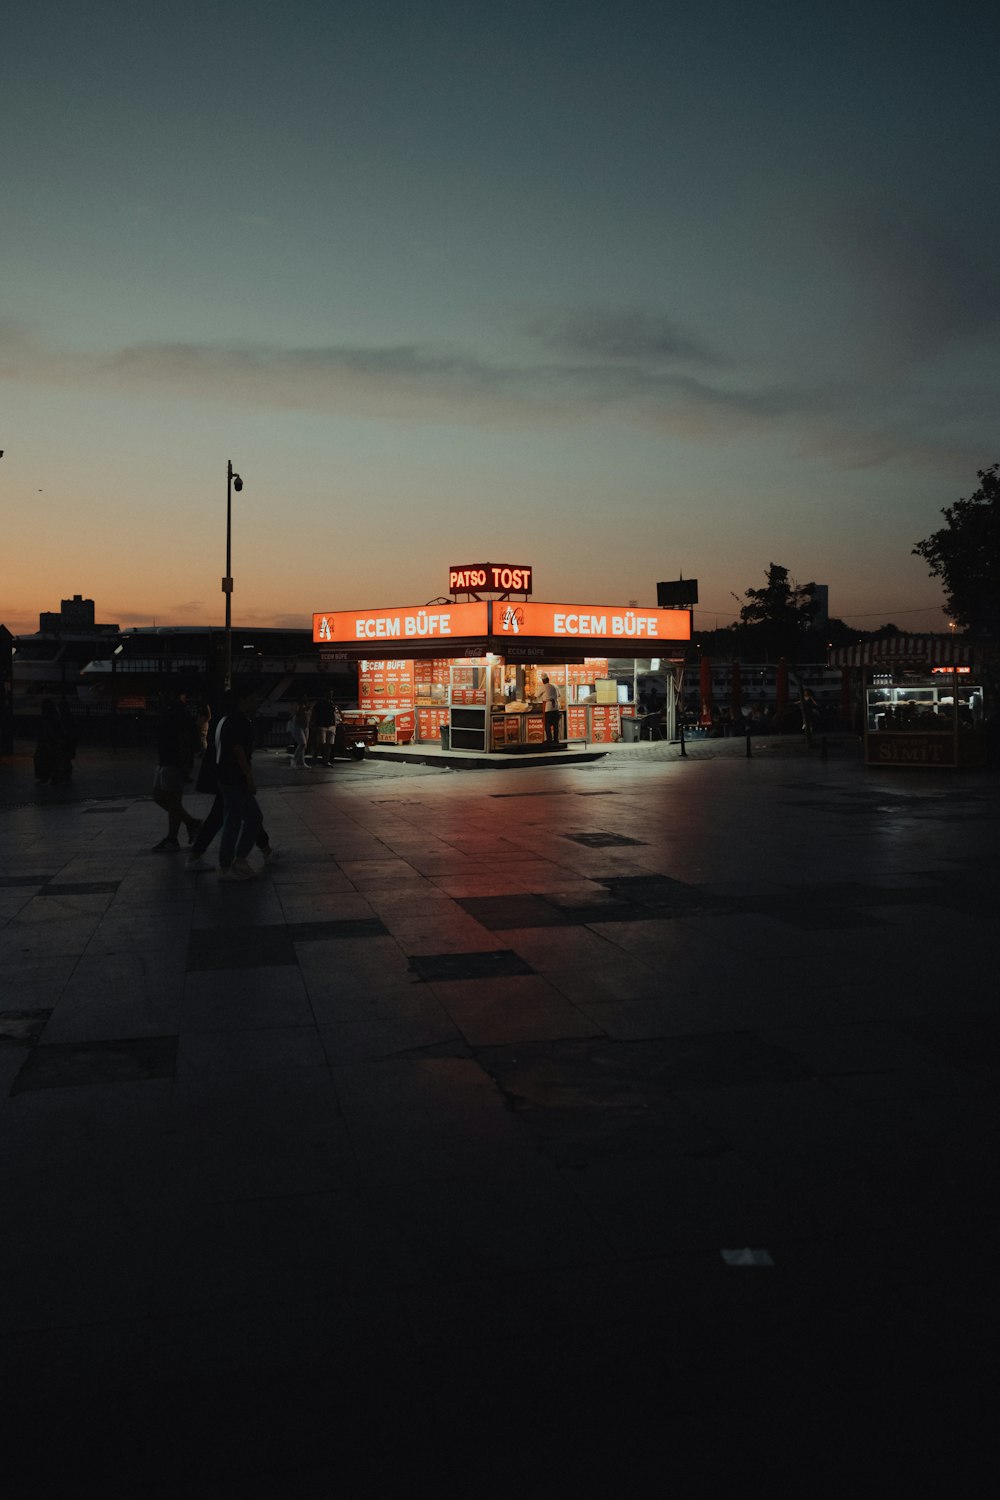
935,720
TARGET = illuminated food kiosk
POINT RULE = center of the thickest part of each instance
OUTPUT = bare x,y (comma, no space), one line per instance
922,704
473,668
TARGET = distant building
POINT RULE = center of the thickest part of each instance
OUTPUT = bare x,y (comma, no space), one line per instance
48,663
821,594
76,614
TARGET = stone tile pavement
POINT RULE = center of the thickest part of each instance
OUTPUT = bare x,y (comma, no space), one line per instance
412,1163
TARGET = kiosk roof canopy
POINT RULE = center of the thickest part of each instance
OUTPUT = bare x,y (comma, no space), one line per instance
499,626
911,650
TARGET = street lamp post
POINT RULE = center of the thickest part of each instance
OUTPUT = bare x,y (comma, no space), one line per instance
233,482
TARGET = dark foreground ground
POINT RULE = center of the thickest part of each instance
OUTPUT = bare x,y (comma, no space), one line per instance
418,1163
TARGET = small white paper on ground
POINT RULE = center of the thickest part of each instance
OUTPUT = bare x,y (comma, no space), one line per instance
747,1258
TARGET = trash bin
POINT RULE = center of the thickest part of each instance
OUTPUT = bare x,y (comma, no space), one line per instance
630,730
445,737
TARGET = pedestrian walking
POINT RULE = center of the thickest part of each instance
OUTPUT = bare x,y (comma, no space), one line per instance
53,755
176,742
298,726
208,782
242,817
203,719
326,717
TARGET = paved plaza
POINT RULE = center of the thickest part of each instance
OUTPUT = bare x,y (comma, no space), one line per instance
619,1127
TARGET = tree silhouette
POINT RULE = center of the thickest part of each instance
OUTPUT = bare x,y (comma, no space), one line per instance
965,555
782,611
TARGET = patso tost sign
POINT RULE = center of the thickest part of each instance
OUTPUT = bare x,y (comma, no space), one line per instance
495,578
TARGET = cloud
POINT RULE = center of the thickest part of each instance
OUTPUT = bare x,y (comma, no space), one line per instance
396,381
632,335
406,381
858,424
848,446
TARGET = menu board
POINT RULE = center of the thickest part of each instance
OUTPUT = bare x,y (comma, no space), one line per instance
431,672
576,674
576,722
385,684
606,723
430,722
534,729
506,729
389,686
467,686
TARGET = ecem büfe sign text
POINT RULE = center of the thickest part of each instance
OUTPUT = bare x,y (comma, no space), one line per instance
433,622
591,622
502,621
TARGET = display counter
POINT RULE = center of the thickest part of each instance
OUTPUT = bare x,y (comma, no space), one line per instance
383,728
511,727
932,721
486,703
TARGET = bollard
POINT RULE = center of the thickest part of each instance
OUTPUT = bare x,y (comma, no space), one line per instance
749,751
683,751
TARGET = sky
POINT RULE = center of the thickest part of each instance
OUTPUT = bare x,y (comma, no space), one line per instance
621,291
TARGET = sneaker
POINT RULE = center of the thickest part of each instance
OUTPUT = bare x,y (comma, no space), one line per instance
195,862
193,829
268,854
165,846
238,870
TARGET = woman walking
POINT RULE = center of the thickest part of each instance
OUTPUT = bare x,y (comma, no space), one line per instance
299,727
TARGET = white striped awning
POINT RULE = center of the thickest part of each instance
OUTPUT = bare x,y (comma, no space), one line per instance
904,650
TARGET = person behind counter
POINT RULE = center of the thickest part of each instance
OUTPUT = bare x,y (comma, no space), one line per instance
549,700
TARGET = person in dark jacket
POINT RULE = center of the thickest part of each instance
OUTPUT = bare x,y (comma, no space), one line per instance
53,758
326,717
207,781
176,742
242,818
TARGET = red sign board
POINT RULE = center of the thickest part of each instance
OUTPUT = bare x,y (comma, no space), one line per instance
563,625
430,722
605,622
385,684
911,749
576,721
494,578
605,723
413,623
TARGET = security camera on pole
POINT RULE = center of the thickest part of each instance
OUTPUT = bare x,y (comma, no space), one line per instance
233,482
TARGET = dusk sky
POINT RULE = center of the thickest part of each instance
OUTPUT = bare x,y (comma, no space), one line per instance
618,290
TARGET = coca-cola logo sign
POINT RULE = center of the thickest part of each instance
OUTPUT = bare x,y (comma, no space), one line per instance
512,619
